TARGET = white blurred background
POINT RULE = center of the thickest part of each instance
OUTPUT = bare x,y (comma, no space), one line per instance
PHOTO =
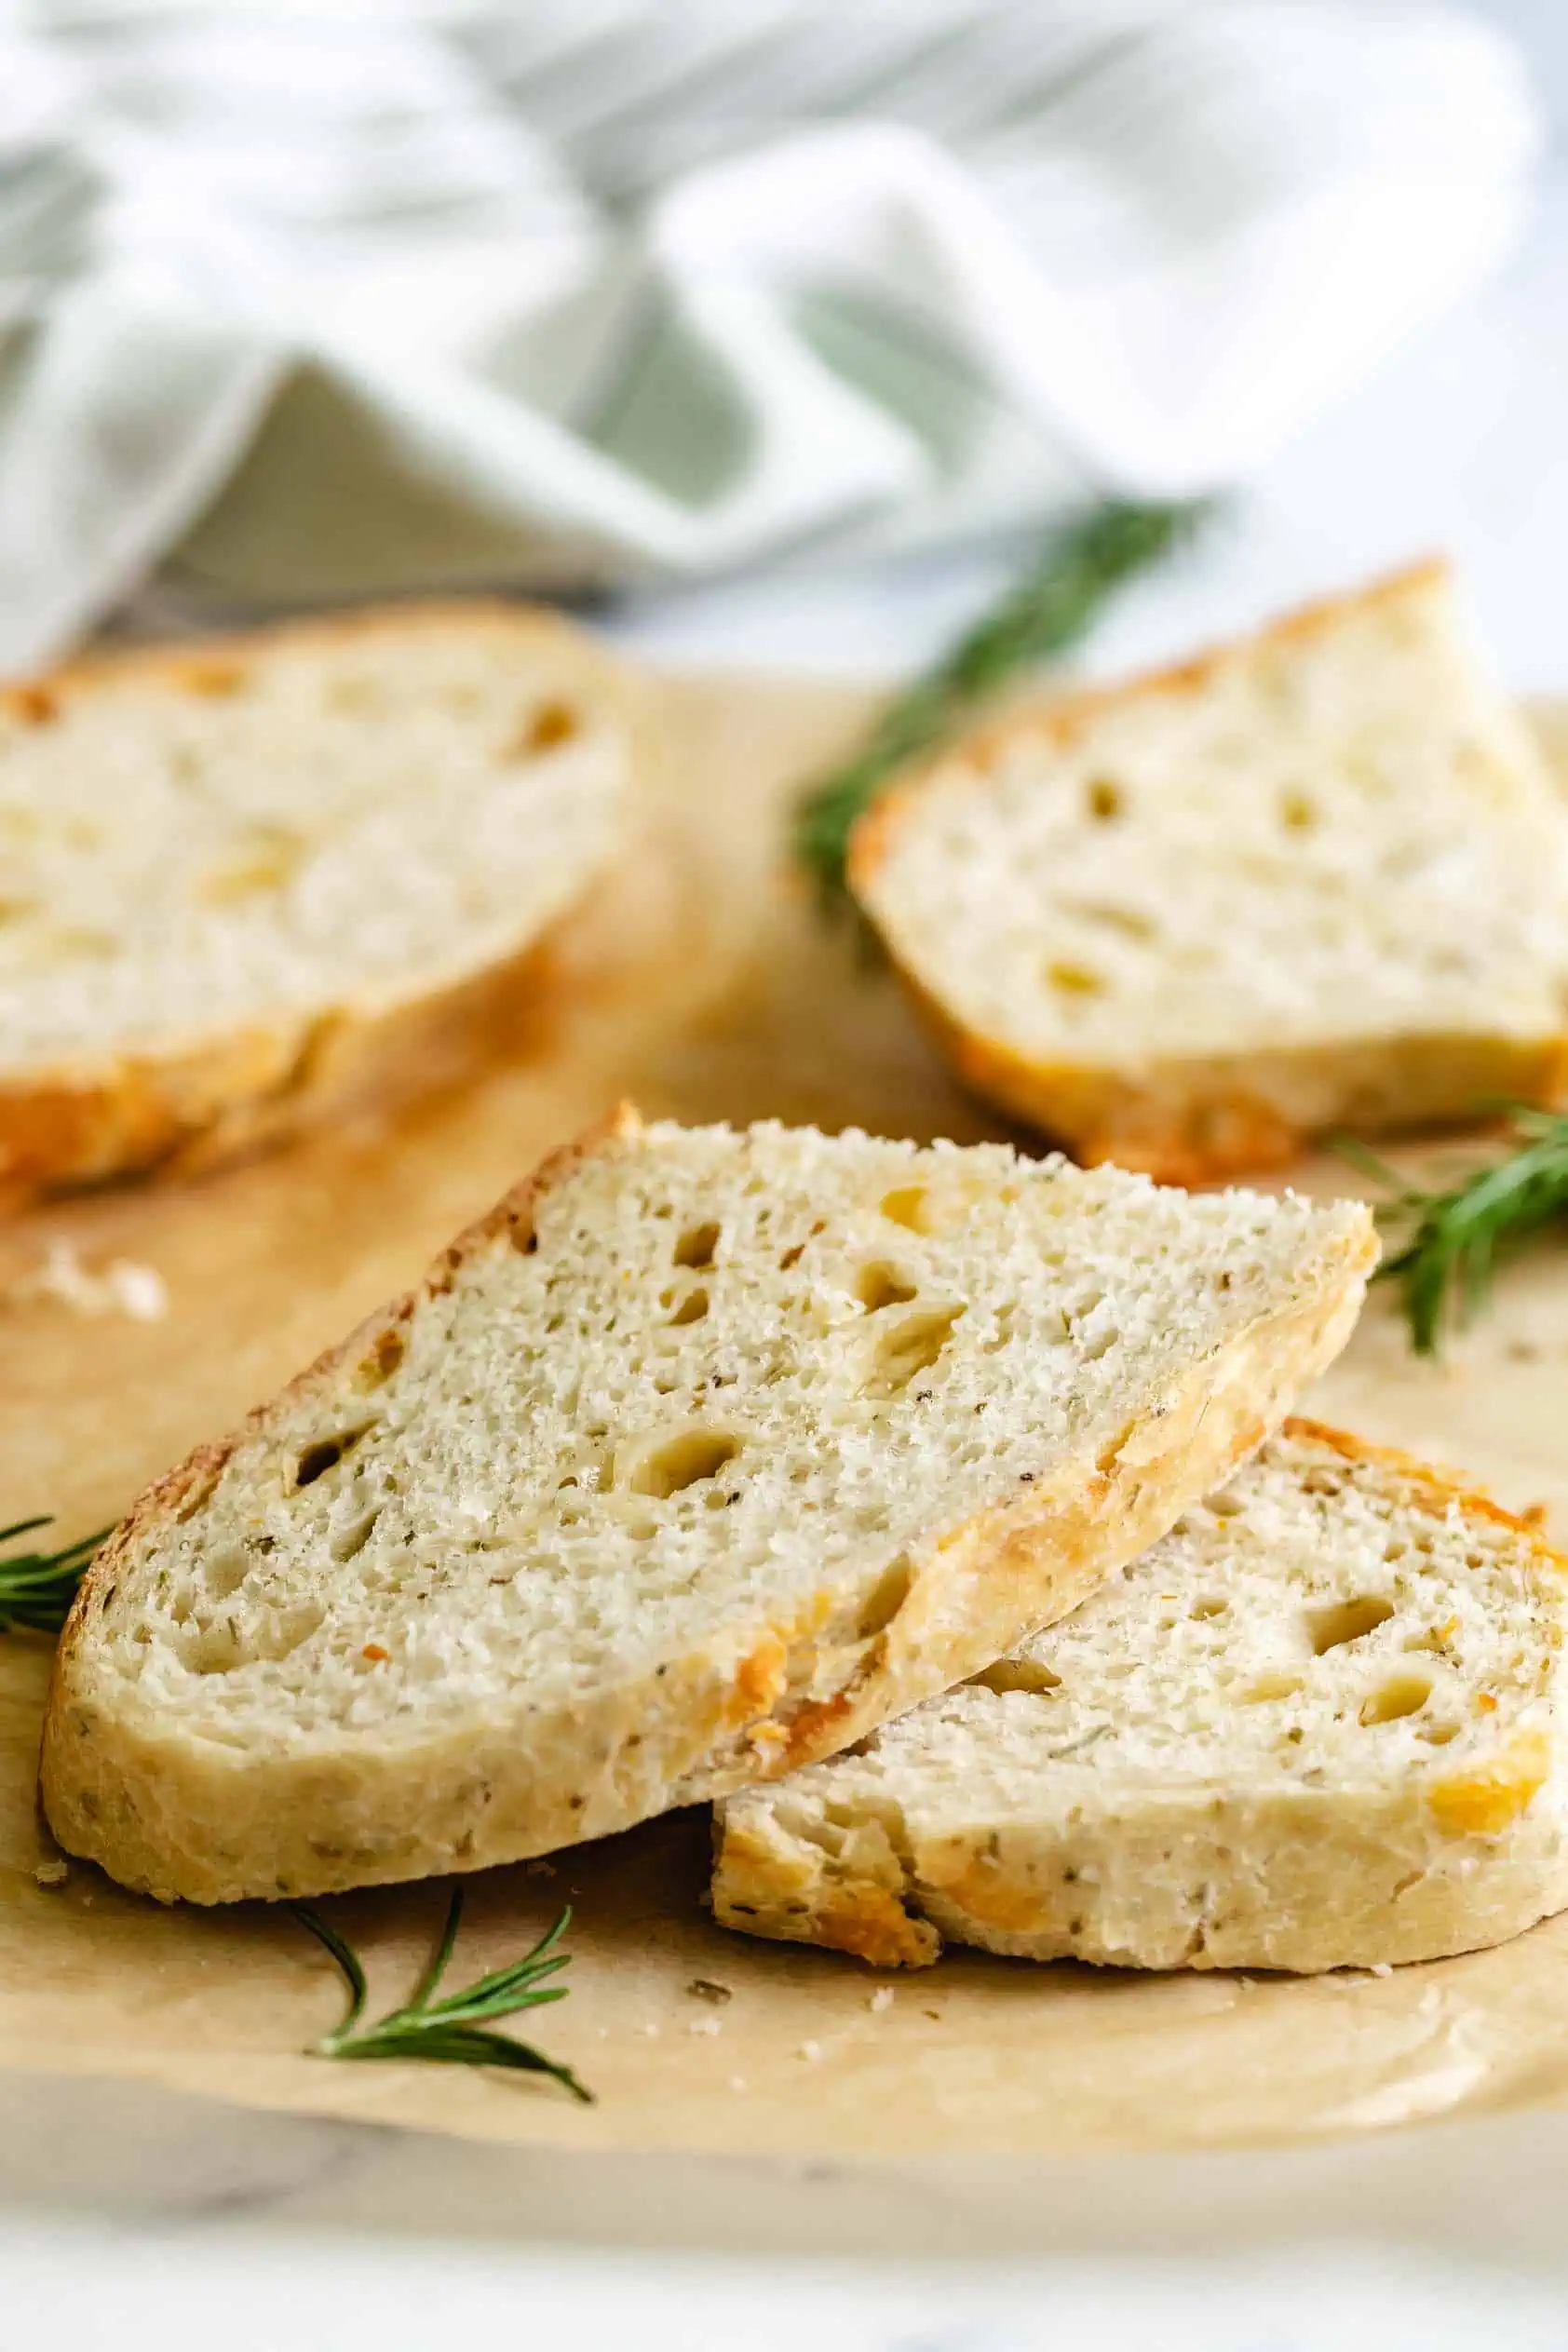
710,311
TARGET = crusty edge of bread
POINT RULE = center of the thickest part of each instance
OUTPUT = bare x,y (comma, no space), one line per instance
1207,1119
181,1107
212,1828
1297,1880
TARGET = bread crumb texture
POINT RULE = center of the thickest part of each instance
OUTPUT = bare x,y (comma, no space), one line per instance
702,1454
1318,1726
1317,877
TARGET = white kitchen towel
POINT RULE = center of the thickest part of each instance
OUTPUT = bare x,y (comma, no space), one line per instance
316,301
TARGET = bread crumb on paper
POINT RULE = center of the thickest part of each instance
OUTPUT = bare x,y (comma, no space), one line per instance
881,2000
709,1989
737,2082
810,2051
52,1873
122,1287
705,2025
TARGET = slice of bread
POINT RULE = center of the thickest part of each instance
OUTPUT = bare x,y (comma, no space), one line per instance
1319,1726
1313,880
700,1457
232,869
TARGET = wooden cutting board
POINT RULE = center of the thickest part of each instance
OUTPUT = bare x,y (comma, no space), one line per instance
703,984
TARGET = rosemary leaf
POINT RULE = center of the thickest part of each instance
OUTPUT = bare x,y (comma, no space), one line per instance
38,1588
432,2032
1051,609
1449,1242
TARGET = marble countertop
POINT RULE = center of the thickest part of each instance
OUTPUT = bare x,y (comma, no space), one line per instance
129,2216
132,2217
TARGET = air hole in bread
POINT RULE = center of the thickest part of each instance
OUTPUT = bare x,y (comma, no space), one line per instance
1323,1478
349,1540
552,723
1345,1621
1209,1605
908,1205
1104,799
1434,1637
1021,1674
885,1599
696,1245
1271,1686
225,1570
1439,1734
326,1453
671,1467
1072,980
268,860
1401,1695
911,1347
1298,812
78,939
879,1286
214,1649
692,1307
1128,921
793,1256
218,1649
216,680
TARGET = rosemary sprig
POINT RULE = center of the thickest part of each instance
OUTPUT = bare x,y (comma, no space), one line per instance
1452,1240
38,1588
1055,604
453,2031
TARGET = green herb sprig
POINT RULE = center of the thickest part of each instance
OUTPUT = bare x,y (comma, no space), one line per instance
454,2032
38,1588
1452,1240
1053,607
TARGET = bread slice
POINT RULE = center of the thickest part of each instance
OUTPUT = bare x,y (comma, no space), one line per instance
1320,1725
701,1455
1315,879
231,869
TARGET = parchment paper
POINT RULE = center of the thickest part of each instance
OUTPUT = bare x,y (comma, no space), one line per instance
703,985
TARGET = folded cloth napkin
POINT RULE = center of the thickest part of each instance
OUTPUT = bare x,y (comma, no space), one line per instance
299,304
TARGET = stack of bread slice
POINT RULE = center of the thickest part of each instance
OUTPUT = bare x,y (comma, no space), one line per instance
701,1456
1318,1725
